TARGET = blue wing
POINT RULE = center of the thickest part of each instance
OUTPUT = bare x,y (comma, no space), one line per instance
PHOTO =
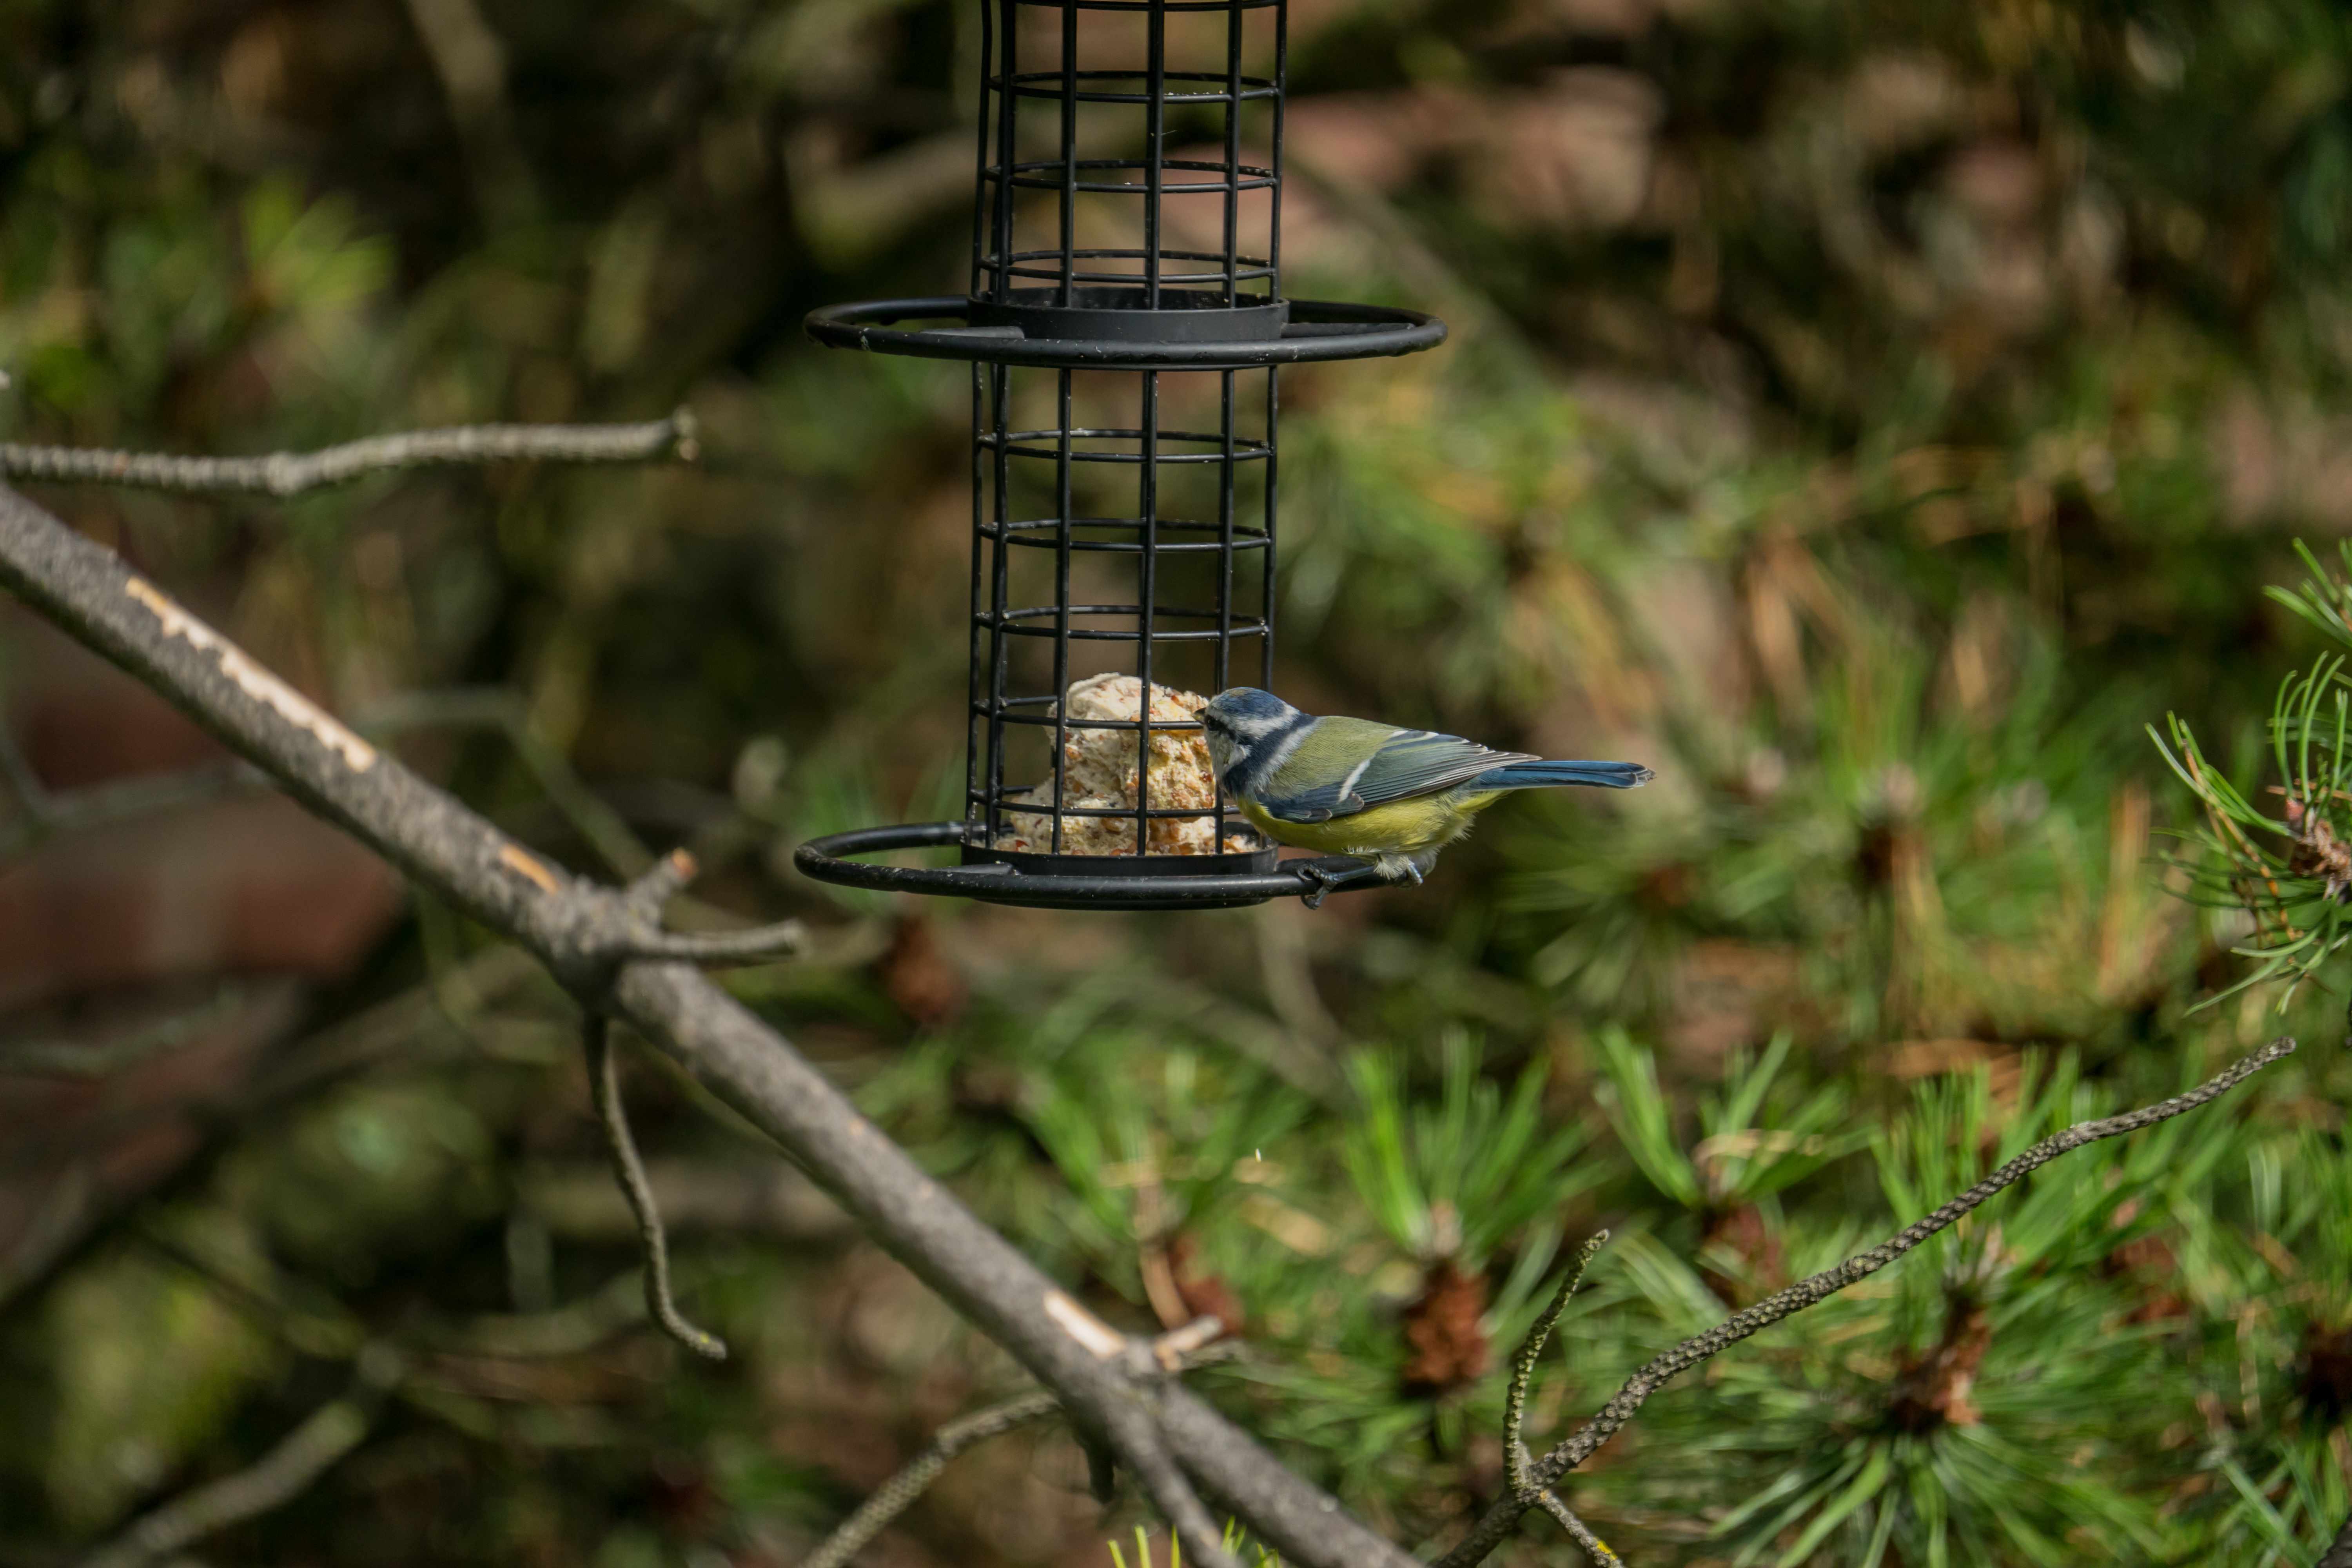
1347,766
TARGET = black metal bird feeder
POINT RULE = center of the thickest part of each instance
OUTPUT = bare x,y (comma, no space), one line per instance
1126,295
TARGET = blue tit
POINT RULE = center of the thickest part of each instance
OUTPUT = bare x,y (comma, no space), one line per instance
1390,798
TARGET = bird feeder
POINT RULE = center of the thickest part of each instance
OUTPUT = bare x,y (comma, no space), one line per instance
1126,326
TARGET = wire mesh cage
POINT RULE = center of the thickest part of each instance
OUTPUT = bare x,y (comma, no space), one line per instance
1125,323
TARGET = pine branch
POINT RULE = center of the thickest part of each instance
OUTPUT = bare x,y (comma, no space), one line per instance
291,473
1587,1440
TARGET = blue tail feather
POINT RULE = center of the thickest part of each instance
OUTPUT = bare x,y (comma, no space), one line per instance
1539,775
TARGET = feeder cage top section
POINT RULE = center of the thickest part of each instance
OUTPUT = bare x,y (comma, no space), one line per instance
1126,217
1127,211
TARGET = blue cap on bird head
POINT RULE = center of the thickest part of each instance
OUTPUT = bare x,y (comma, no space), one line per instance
1246,713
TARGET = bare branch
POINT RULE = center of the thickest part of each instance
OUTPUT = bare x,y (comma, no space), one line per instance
604,1087
1141,1443
278,1478
576,930
1588,1438
751,944
291,473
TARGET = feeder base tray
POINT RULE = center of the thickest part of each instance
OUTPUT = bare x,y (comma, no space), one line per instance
1061,881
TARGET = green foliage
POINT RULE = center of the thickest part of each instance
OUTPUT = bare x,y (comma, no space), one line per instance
1458,1177
1962,1407
1740,1160
1236,1542
1868,415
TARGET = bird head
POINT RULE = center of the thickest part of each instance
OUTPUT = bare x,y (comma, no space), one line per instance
1235,721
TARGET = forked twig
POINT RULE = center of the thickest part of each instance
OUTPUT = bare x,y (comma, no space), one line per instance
669,875
604,1087
291,473
1514,1410
1587,1440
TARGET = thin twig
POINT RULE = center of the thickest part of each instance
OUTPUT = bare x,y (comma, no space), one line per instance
1523,1365
669,877
1144,1446
291,473
752,945
604,1087
1578,1531
895,1496
1588,1438
1178,1351
1514,1409
278,1478
566,1331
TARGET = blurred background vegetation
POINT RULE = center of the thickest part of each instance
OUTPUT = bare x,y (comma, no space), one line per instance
1872,416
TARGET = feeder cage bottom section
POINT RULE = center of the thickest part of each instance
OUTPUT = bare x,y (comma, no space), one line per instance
1060,881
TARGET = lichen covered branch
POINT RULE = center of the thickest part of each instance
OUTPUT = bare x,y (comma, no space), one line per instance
1514,1410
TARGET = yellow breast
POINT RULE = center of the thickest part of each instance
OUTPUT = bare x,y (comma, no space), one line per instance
1397,827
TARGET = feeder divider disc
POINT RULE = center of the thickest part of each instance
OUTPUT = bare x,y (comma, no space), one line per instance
1313,330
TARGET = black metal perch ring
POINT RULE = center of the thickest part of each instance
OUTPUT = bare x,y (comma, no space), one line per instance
1165,883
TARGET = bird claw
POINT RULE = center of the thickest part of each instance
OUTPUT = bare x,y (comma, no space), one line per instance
1324,882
